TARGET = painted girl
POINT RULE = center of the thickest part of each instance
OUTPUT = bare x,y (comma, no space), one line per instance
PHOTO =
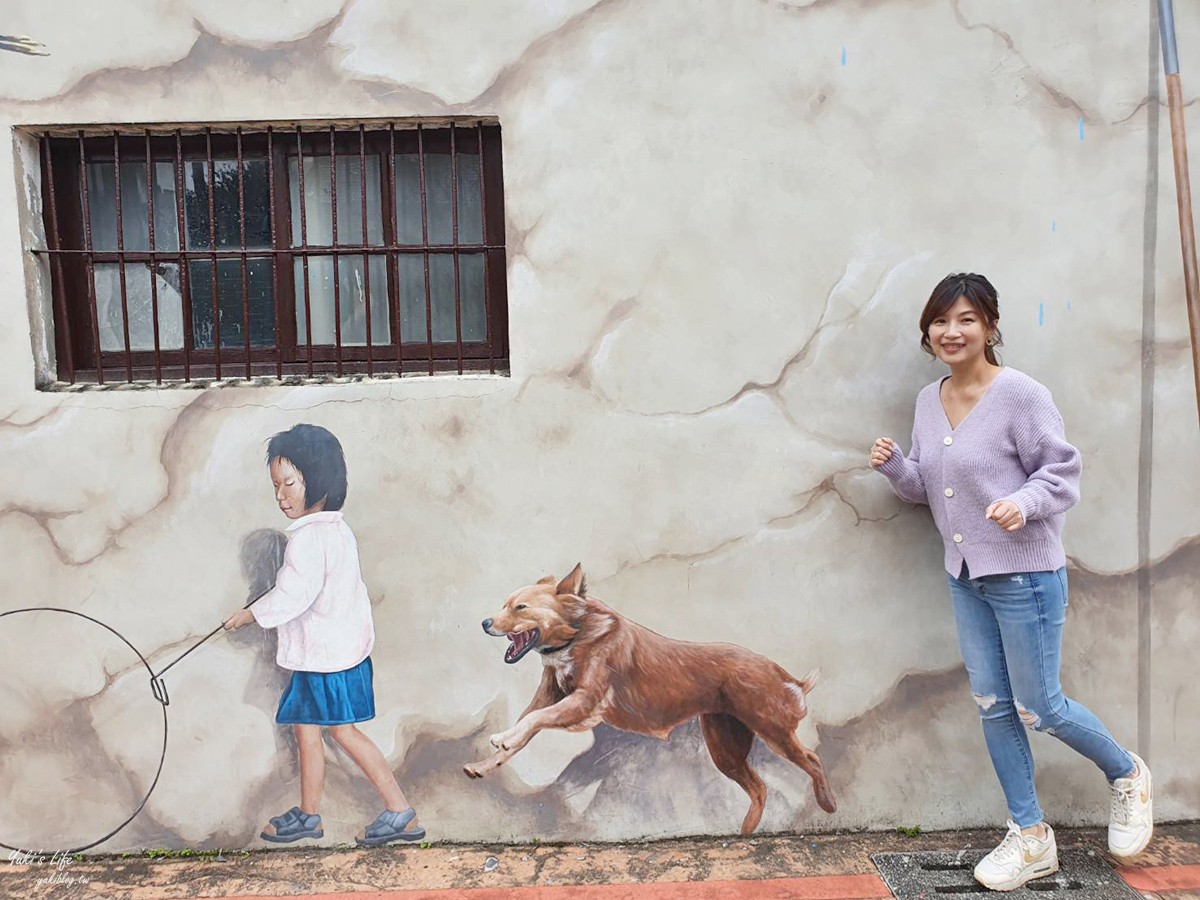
320,607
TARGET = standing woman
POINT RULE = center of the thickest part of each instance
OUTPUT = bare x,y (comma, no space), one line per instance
990,459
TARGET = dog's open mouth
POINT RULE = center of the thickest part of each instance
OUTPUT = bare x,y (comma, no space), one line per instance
522,643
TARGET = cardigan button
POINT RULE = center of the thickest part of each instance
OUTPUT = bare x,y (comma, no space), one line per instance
949,492
958,539
948,440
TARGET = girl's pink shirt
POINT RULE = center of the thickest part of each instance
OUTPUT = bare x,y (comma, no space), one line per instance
319,604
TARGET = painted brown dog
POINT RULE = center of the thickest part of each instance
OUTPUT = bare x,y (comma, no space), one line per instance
601,667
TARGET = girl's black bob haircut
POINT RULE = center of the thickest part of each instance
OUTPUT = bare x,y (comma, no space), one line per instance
318,455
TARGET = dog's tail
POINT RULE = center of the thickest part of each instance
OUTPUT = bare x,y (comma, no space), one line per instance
809,681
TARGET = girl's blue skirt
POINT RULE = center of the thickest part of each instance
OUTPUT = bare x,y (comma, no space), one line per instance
328,698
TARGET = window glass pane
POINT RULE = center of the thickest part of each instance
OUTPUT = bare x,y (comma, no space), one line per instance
135,206
225,204
408,198
139,302
318,199
261,291
441,289
438,198
353,299
470,219
413,326
470,285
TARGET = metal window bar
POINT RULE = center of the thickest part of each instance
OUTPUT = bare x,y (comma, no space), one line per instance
362,183
121,256
440,355
392,258
58,288
483,239
333,238
91,268
212,243
274,244
241,177
185,276
153,260
425,242
454,241
308,338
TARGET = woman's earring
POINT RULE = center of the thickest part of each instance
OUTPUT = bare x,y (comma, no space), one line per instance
991,342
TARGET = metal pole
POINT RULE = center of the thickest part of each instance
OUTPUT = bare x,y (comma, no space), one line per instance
1183,188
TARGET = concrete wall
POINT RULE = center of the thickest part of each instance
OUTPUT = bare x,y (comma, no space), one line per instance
723,218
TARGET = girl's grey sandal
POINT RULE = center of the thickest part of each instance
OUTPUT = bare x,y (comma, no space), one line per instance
294,825
390,826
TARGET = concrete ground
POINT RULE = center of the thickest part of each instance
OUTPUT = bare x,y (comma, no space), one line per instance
793,866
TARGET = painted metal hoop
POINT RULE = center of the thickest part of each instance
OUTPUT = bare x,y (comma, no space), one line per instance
154,686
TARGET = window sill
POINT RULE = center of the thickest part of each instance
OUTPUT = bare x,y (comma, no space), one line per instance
267,381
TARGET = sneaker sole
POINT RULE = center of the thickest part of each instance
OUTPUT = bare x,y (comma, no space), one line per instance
1137,848
1024,878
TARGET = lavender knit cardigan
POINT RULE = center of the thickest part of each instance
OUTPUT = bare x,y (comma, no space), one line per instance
1009,447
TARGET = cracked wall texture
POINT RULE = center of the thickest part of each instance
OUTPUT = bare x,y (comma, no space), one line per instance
720,236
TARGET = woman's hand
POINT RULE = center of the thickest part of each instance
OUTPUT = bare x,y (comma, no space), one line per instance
238,619
881,451
1006,514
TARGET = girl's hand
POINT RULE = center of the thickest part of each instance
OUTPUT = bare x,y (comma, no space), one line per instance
1005,514
881,451
238,619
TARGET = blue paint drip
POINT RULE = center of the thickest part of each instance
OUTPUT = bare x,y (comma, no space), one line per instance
1053,225
843,56
1081,128
1041,313
1068,304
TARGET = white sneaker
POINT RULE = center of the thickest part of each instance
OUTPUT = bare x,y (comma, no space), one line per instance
1131,819
1019,858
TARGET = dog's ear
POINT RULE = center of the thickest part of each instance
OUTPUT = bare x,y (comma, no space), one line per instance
574,583
549,579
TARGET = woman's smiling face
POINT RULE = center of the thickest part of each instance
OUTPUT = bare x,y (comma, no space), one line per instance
960,334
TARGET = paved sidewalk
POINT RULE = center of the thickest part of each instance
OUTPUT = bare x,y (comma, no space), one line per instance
795,867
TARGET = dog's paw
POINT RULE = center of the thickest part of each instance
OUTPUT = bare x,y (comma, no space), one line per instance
474,770
504,740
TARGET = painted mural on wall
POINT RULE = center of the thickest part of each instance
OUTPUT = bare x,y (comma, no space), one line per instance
601,667
598,667
129,504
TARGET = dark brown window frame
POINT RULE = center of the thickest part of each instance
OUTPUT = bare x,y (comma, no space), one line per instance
72,259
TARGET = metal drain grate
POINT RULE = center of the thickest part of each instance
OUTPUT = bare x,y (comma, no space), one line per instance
923,876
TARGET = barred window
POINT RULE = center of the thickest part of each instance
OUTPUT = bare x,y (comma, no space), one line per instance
193,254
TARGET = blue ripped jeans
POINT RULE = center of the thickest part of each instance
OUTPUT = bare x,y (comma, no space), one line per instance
1010,634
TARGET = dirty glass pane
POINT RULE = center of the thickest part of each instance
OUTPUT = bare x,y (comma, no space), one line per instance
438,198
412,299
225,205
353,298
470,286
260,289
413,323
139,304
470,217
135,206
318,206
